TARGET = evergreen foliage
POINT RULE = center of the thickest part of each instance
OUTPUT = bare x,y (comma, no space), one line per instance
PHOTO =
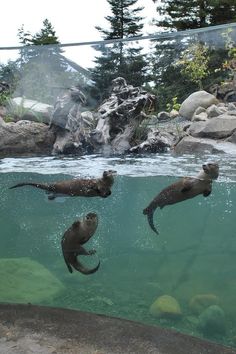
175,15
121,58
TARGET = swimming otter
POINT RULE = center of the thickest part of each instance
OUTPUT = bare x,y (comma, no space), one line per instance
96,187
185,188
73,239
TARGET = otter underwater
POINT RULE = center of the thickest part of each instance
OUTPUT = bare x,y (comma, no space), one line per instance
83,229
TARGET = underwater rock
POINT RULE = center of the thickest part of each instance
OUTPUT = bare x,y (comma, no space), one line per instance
212,321
199,303
24,280
166,306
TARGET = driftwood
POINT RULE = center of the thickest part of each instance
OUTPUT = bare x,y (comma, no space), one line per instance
120,115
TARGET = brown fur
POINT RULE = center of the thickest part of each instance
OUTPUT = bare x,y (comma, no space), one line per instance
96,187
73,239
185,188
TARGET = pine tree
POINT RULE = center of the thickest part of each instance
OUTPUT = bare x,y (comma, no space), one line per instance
185,14
42,65
120,59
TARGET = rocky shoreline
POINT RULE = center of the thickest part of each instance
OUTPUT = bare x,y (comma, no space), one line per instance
123,124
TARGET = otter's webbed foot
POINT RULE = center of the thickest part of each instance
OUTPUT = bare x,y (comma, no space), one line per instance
51,196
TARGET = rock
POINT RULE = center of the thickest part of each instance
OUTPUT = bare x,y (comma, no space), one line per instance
195,100
25,138
163,116
25,109
191,145
231,106
199,303
199,110
214,111
23,280
216,128
212,321
173,114
166,306
201,117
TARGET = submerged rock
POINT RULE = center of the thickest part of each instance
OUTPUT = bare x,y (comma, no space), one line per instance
212,321
23,280
166,306
200,302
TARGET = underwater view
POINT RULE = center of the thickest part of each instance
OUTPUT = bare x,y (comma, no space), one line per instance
183,278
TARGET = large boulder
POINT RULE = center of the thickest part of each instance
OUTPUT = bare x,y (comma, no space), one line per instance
219,127
25,138
166,306
195,100
24,280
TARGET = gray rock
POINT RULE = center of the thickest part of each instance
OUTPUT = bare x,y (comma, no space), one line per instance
231,107
195,100
163,116
201,117
216,128
200,110
212,321
25,138
214,111
191,145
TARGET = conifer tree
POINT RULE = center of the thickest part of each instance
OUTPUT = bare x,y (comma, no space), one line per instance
43,68
185,14
120,58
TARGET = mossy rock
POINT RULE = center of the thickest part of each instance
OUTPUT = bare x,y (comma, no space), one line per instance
212,321
166,306
23,280
199,303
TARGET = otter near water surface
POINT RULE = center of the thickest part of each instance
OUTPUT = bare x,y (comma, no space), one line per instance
78,187
185,188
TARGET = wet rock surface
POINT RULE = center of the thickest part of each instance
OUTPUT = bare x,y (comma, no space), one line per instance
34,329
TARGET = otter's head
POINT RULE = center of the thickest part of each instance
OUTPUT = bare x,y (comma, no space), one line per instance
211,169
91,221
91,217
109,176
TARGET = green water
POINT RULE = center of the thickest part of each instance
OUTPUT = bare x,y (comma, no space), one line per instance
194,254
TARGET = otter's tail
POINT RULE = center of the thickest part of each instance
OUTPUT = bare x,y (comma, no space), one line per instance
149,212
78,266
37,185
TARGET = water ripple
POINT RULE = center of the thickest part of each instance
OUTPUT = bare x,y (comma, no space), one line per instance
138,166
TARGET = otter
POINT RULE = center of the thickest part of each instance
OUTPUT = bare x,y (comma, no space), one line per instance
185,188
73,239
96,187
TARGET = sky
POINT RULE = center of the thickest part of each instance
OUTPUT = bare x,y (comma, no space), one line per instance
73,20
